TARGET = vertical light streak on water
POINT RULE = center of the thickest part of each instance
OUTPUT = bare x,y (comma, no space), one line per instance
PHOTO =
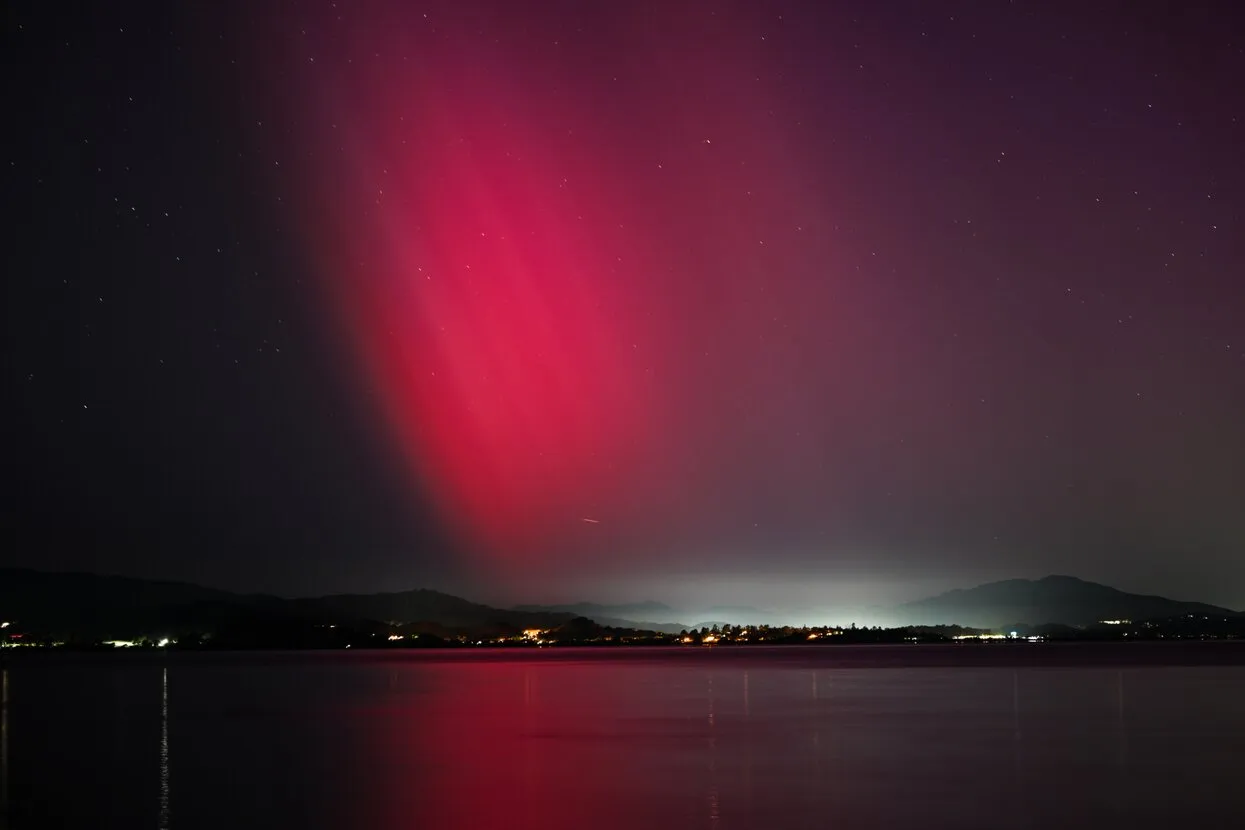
1016,760
1122,788
816,729
714,799
164,749
1121,722
747,741
531,721
4,748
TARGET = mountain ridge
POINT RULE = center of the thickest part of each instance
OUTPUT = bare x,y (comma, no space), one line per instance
1053,599
87,604
76,604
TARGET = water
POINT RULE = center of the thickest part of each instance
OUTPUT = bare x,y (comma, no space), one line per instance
846,737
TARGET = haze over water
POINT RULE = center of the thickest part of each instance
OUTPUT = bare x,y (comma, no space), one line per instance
846,737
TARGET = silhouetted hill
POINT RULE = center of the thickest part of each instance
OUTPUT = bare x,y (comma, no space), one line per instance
1063,600
425,605
642,616
78,606
656,616
635,610
84,606
738,614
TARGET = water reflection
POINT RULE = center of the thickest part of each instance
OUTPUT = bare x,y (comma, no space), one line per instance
459,743
4,748
714,796
1123,773
748,745
816,732
1121,723
1017,764
164,749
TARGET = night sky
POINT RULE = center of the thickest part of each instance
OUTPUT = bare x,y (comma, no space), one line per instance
786,304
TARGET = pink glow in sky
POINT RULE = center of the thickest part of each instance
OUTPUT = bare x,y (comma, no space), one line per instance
762,290
539,291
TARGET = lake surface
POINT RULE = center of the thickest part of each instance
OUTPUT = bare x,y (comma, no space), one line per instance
1035,736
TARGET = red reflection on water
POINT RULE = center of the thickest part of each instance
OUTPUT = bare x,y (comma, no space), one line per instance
540,745
496,754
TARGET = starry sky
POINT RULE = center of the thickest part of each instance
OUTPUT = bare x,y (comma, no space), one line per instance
788,304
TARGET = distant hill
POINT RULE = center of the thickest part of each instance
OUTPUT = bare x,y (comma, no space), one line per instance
657,616
83,606
79,605
644,616
636,610
1063,600
737,615
432,606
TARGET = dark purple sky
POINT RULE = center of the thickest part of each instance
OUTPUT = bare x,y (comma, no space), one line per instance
791,304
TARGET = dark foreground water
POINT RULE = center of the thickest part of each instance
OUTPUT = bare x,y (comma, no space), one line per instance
993,737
